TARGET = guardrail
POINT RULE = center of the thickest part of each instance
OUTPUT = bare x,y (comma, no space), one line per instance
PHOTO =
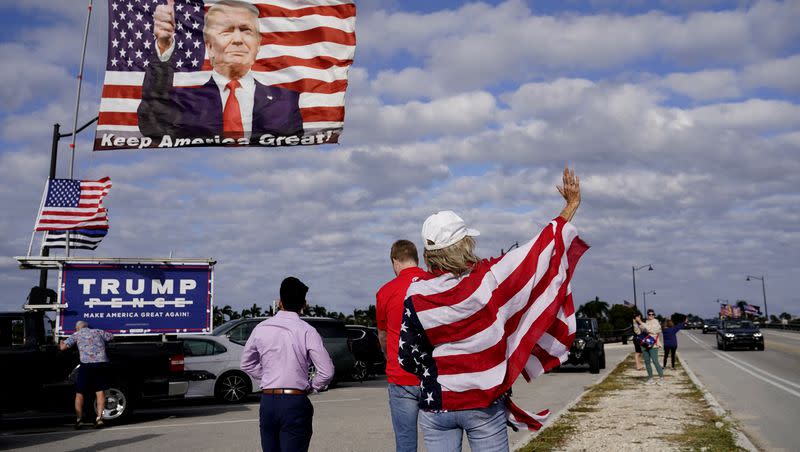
778,326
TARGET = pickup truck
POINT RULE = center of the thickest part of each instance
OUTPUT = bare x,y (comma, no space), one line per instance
38,379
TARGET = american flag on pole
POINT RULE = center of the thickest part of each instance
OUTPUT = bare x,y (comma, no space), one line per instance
85,239
307,46
74,204
468,338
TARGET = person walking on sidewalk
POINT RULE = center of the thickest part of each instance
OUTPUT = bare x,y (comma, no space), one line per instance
403,386
670,333
279,353
93,370
651,328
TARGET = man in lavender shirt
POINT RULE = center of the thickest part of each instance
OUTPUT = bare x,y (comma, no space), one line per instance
279,352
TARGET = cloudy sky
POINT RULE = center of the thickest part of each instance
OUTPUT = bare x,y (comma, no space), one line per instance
681,117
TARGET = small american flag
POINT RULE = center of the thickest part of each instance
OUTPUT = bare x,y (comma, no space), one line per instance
85,239
627,304
306,46
468,338
74,204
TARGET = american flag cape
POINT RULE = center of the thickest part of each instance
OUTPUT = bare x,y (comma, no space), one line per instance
74,204
468,338
307,46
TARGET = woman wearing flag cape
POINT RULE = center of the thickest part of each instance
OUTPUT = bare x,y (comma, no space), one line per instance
472,330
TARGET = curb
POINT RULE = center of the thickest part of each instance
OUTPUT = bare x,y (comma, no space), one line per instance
522,442
741,439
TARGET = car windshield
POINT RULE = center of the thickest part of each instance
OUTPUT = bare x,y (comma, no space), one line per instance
736,325
584,324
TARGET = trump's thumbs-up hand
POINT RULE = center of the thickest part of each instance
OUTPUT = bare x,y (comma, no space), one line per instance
164,25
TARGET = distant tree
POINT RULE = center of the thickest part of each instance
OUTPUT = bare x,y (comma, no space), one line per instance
621,317
595,309
218,316
785,315
677,317
317,311
255,310
774,318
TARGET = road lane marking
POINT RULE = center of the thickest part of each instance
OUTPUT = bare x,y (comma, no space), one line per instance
751,372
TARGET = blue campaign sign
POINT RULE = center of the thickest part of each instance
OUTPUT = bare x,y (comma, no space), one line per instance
137,298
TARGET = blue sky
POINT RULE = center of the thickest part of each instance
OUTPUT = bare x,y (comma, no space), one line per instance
682,118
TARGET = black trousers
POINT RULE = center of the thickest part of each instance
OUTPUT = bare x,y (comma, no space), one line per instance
285,422
667,352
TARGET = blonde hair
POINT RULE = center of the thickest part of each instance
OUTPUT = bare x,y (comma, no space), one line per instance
457,258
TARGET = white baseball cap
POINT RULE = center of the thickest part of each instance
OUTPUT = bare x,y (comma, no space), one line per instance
443,229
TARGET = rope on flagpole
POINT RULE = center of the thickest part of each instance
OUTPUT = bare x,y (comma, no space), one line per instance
77,105
38,216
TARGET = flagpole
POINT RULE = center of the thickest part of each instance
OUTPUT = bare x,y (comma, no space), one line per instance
38,216
77,104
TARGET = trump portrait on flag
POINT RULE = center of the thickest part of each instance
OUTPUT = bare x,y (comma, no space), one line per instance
231,105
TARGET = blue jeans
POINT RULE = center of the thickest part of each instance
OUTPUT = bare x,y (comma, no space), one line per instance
485,427
404,406
652,355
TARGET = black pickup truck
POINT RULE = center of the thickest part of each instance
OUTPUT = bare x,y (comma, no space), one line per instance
36,378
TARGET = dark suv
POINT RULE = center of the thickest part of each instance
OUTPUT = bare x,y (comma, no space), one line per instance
739,333
588,348
333,332
367,351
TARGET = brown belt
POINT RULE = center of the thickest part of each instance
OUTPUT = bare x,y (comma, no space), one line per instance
284,391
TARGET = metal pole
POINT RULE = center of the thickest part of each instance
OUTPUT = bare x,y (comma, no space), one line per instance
77,104
764,291
53,160
644,300
633,272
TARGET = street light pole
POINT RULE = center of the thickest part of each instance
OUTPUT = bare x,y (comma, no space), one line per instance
633,272
763,291
644,299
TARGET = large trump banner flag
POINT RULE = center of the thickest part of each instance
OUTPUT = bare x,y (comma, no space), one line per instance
184,73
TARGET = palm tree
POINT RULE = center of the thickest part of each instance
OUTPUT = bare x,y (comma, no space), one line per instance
255,310
227,310
218,316
595,308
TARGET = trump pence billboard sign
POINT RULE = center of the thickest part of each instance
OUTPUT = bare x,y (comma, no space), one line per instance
136,298
182,73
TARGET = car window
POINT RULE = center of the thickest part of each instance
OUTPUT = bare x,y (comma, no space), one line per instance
240,333
12,331
584,324
330,329
196,347
355,334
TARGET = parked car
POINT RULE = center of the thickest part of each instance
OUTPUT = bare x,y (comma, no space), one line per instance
216,360
739,333
38,379
333,332
588,348
366,347
710,325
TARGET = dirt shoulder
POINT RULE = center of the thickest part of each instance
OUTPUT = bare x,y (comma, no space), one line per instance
622,413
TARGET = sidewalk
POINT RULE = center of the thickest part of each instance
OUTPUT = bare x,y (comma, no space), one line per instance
622,413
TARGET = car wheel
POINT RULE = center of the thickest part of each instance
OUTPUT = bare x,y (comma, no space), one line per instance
232,387
760,348
594,363
359,371
719,344
602,358
119,404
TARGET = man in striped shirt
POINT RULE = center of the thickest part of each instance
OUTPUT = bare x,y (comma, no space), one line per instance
472,330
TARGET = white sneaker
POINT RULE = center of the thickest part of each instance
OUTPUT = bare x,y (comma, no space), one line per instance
649,382
660,382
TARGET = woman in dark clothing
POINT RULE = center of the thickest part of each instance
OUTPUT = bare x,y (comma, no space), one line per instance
670,334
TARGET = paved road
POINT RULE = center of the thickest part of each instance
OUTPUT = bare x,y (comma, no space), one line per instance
761,389
353,417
